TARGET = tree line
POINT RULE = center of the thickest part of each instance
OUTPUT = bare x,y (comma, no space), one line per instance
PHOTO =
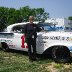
10,16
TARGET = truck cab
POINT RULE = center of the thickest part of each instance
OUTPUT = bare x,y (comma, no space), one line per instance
50,41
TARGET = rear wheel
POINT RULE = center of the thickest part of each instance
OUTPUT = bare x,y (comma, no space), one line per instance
5,47
60,54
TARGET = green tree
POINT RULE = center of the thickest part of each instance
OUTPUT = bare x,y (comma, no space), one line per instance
10,16
25,12
14,16
41,14
3,17
70,17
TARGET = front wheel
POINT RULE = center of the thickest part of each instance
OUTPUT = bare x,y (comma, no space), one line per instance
60,54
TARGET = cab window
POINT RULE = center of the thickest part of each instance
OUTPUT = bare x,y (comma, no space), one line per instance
47,26
17,29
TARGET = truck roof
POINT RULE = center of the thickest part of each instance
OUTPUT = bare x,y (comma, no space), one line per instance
9,28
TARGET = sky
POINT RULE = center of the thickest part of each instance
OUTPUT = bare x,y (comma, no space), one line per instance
56,8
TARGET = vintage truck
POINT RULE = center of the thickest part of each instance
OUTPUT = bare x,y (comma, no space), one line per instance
58,44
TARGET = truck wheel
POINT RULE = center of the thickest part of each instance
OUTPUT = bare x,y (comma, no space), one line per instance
61,54
5,47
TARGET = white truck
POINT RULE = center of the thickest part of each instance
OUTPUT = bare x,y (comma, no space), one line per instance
58,44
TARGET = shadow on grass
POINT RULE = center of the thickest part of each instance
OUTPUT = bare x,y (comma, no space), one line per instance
39,56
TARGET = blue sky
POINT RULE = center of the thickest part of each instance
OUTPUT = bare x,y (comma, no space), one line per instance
56,8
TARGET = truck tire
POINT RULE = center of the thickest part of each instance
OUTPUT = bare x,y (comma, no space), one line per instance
5,47
60,54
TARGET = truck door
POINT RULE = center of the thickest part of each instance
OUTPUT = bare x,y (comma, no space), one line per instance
19,38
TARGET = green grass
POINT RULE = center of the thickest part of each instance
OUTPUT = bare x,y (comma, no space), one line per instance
19,62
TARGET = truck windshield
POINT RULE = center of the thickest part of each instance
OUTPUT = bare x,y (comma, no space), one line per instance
47,26
50,27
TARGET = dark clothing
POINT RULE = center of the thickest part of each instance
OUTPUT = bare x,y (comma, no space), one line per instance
32,55
30,31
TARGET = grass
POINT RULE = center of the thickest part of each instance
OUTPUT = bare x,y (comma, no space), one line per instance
15,61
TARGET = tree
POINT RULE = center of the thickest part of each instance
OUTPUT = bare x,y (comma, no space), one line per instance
70,17
3,17
41,14
10,16
14,16
25,12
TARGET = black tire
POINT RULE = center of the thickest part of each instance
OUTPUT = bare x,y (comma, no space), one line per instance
60,54
5,47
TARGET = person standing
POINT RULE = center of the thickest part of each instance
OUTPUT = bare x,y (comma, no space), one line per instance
30,31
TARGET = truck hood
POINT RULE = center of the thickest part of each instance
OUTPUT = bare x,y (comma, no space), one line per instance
66,34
